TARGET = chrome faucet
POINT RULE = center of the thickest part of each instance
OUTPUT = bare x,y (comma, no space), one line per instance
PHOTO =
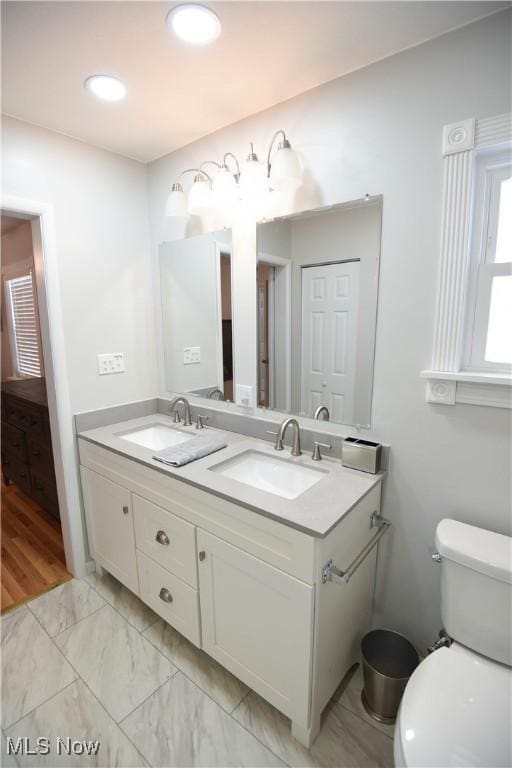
322,409
296,451
215,394
173,410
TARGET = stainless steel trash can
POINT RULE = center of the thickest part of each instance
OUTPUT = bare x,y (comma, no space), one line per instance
389,659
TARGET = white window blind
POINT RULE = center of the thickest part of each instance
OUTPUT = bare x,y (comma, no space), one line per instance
22,306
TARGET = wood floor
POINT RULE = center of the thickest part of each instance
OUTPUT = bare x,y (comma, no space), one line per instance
32,558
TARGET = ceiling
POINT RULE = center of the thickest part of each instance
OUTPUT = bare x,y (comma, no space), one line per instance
267,53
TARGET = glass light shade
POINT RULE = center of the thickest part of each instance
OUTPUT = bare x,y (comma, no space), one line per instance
200,198
225,189
253,182
176,205
285,170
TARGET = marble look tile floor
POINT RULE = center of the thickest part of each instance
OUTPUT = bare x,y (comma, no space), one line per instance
90,661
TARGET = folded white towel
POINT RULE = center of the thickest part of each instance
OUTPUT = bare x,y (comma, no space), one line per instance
190,450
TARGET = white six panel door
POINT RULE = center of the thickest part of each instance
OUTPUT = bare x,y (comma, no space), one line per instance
258,623
329,338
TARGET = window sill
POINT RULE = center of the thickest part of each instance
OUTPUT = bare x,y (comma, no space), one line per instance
449,388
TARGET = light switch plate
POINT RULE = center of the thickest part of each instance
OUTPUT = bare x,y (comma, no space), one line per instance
191,355
111,362
244,395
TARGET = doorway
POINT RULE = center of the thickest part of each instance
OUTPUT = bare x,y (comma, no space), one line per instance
33,557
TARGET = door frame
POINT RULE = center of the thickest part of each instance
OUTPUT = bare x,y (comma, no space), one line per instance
285,267
223,250
64,447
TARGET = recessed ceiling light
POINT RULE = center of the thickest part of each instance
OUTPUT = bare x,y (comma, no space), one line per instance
196,24
106,87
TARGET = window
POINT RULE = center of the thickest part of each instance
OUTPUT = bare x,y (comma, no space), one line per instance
24,326
489,309
472,349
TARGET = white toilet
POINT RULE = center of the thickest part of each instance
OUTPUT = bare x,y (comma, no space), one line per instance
457,707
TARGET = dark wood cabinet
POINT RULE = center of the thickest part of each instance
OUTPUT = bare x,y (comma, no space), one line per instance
27,457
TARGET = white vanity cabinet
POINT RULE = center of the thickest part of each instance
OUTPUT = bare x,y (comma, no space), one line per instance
245,588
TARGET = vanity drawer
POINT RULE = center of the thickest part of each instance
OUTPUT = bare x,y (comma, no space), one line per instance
169,597
166,538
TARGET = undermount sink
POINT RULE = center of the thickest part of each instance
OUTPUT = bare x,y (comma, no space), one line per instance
267,473
156,436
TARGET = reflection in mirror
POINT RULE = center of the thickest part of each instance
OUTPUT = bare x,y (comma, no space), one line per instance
195,280
317,285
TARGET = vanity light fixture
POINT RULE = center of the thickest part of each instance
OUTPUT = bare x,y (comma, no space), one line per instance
199,199
251,183
283,168
106,87
195,24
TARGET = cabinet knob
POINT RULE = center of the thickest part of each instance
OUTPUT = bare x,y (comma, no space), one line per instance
165,595
162,538
202,555
125,510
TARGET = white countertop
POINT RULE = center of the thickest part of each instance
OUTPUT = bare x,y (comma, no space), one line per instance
315,511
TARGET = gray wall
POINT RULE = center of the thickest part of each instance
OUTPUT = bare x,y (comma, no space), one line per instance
378,130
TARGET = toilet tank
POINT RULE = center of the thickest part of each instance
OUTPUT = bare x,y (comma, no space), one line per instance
476,588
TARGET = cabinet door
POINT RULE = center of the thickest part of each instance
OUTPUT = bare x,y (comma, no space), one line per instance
108,510
257,622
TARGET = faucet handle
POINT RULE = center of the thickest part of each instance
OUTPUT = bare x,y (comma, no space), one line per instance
317,456
200,419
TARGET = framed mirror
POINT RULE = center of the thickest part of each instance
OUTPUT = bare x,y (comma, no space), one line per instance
317,282
197,331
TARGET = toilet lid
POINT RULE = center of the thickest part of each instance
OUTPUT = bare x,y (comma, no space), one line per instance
457,711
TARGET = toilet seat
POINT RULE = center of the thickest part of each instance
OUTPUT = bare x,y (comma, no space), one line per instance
456,711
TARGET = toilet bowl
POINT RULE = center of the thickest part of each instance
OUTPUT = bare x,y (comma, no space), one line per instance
457,707
456,711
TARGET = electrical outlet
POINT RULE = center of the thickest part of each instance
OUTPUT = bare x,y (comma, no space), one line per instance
191,355
112,362
244,395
